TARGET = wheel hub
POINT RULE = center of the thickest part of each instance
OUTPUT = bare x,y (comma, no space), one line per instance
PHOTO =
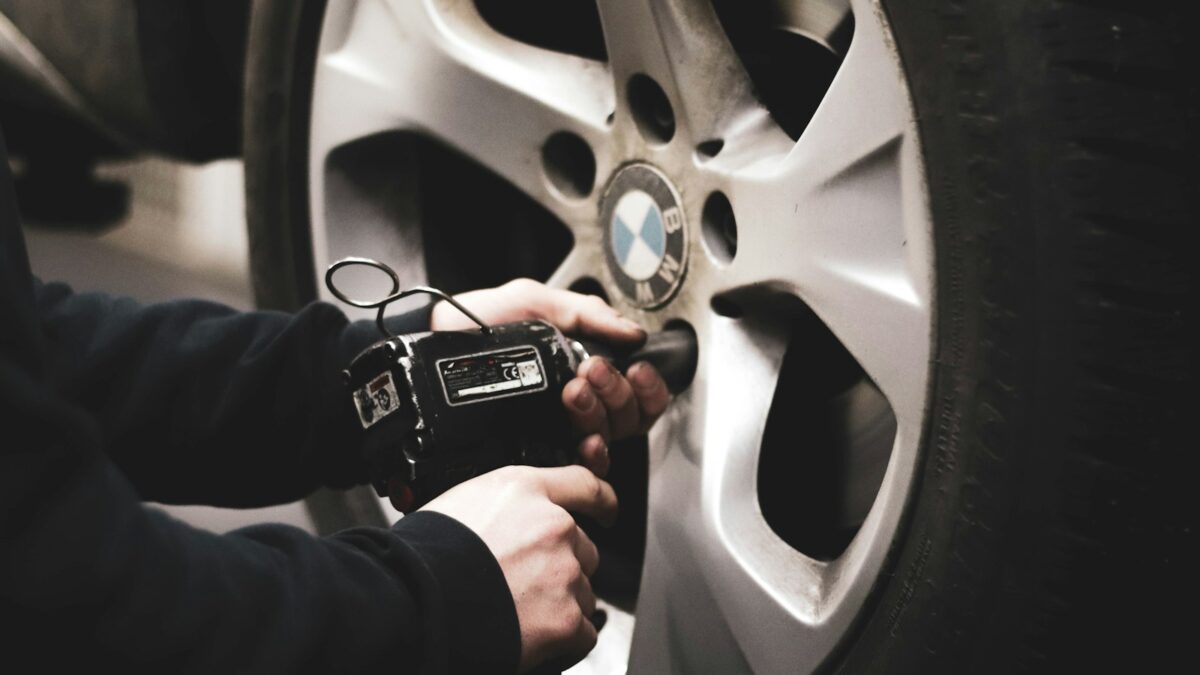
645,237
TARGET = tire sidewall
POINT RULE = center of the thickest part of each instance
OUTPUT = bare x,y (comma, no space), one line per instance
989,570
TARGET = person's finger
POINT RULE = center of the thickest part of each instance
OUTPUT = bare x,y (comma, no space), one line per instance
581,642
653,397
585,314
586,552
585,596
578,490
593,451
615,393
585,409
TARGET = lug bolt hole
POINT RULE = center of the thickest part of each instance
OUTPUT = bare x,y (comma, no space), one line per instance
651,109
589,286
726,307
720,228
710,148
569,164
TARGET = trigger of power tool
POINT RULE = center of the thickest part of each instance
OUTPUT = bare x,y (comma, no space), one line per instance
438,408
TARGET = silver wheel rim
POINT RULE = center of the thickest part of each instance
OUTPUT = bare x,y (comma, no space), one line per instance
838,218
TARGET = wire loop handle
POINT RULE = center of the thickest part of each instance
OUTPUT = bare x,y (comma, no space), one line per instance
393,295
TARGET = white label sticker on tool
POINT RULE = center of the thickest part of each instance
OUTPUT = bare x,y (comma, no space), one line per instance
481,377
376,400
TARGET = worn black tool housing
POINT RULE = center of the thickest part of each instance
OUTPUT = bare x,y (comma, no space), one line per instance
439,408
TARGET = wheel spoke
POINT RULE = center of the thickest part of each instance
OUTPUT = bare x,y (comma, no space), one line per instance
403,66
836,222
687,563
715,572
682,46
819,20
585,260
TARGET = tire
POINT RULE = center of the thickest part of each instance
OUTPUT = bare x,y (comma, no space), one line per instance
282,44
279,64
1046,527
1055,138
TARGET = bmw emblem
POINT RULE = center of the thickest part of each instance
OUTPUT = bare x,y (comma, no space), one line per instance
645,240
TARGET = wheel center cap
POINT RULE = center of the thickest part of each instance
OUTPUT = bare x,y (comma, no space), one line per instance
645,240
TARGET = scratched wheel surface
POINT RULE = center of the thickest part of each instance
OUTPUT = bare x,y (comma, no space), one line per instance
847,482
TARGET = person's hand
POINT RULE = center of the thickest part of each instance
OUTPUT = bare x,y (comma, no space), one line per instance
524,299
604,405
521,513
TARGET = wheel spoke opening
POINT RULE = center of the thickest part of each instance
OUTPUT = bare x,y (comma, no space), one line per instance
398,196
790,56
828,439
565,26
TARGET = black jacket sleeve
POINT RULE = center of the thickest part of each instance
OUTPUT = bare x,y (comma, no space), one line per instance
88,572
199,403
194,400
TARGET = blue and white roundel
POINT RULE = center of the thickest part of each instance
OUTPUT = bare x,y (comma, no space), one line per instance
645,235
638,236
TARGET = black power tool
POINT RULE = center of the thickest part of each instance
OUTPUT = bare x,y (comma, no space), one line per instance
441,407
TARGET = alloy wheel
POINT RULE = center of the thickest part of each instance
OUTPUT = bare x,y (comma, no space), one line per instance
797,246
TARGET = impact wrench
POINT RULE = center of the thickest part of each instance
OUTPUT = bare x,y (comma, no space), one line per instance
441,407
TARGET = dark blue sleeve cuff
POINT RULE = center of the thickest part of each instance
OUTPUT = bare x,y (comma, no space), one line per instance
473,619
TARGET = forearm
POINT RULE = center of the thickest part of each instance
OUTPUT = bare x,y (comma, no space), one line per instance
199,403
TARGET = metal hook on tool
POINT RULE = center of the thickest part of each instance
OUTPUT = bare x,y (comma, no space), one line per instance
393,295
